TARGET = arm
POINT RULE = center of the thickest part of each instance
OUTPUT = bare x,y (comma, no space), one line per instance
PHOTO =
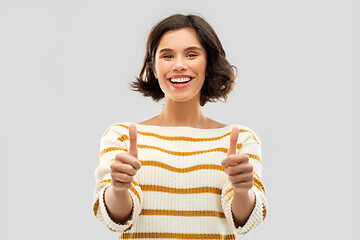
118,204
242,206
246,209
109,195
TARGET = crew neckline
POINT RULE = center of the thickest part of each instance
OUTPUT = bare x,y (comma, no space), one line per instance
178,127
181,130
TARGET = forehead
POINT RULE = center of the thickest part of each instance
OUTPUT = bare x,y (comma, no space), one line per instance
179,39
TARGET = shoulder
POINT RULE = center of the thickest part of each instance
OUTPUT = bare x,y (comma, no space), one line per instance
247,133
117,129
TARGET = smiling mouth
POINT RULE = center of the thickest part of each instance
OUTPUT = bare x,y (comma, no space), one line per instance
180,80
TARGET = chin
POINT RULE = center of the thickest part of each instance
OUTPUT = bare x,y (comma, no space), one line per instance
184,99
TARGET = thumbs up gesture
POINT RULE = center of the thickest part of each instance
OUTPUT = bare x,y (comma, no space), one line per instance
125,166
237,166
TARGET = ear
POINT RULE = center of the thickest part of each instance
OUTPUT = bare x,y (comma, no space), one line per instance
154,70
154,73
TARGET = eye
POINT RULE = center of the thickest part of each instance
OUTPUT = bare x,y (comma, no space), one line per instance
167,56
191,55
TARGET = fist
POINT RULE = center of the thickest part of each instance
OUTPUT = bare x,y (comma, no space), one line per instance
237,166
125,166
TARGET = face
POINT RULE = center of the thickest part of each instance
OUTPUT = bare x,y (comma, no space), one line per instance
180,64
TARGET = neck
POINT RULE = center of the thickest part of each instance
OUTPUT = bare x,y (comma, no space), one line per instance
182,114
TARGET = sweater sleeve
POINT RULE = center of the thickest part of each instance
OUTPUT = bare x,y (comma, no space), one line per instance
250,145
114,140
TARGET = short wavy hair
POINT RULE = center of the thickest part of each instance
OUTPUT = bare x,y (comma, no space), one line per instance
220,75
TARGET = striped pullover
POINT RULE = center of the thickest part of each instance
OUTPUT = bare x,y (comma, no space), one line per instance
181,190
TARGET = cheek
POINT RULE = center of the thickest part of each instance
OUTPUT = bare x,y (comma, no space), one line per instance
162,67
199,66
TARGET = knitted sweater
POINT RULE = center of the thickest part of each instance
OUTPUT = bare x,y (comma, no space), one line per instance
181,190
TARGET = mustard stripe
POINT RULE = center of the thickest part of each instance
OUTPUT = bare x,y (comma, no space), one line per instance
183,138
244,130
238,146
182,170
162,212
126,137
229,199
260,187
96,207
264,212
156,188
249,229
256,185
259,184
110,228
132,188
256,157
148,235
123,138
115,125
176,138
228,191
103,181
135,183
183,153
136,193
129,228
109,180
111,149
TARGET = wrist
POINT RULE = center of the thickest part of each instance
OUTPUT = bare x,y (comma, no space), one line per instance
116,192
244,194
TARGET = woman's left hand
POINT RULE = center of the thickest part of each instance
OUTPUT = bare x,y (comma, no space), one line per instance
237,166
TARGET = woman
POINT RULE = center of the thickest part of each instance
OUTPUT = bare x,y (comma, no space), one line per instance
181,175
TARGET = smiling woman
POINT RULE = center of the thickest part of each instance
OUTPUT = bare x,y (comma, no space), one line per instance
219,74
180,174
180,63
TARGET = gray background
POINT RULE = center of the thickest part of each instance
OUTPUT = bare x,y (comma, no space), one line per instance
64,69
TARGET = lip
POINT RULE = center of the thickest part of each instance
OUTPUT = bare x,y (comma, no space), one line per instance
180,85
180,76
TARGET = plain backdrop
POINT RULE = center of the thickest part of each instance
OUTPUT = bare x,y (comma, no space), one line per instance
64,71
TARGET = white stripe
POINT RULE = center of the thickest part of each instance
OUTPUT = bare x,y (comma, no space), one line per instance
189,225
160,200
163,177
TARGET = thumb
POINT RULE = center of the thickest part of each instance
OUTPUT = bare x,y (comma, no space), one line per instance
233,141
133,151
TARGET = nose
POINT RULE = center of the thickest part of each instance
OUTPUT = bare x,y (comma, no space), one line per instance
180,64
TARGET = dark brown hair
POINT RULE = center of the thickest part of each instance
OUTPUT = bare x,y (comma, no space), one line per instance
219,79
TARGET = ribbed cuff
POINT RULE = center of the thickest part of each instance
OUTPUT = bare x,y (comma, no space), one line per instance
255,215
106,220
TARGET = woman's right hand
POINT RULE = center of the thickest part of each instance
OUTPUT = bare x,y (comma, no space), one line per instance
125,165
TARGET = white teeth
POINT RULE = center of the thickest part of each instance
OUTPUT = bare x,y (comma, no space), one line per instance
180,79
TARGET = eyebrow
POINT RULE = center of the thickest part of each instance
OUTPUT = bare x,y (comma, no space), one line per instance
187,49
